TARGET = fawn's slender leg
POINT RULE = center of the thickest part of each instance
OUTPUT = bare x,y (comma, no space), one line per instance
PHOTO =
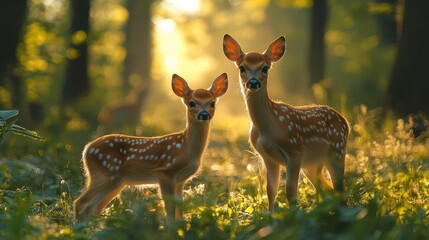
178,196
96,197
293,167
273,171
312,172
107,196
167,192
316,176
81,204
336,170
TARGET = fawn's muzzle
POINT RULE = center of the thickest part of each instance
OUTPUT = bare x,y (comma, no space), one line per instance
253,84
204,115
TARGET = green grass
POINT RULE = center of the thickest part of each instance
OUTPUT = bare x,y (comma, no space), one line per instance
387,192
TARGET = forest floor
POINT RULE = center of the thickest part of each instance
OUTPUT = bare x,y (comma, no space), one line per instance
387,192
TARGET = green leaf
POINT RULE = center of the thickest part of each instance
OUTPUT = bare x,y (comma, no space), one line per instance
7,125
5,116
18,130
8,114
249,210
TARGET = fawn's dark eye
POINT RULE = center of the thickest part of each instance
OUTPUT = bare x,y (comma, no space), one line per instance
242,69
192,104
212,104
265,70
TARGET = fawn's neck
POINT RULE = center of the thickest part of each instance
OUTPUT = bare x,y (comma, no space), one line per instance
196,137
259,107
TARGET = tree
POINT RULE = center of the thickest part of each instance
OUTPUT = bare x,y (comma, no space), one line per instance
76,80
409,85
317,45
12,17
385,17
138,43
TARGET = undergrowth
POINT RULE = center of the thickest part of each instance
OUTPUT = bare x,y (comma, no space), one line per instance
387,181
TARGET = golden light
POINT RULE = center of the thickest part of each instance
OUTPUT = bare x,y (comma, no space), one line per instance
170,62
169,44
182,6
166,25
173,51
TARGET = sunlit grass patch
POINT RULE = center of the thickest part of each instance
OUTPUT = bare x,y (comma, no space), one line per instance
391,165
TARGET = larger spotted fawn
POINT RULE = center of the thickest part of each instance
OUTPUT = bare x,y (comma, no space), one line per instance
115,161
308,137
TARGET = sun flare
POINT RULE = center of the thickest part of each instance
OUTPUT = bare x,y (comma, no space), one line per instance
182,6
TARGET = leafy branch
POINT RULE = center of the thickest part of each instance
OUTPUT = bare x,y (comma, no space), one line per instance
7,124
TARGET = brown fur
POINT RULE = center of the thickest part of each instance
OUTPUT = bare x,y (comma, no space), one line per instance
115,161
310,137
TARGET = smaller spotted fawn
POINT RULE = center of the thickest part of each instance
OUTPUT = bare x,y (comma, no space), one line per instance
308,137
115,161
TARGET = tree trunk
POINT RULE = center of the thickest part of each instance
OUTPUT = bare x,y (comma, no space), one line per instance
138,30
386,24
409,85
317,45
76,81
12,17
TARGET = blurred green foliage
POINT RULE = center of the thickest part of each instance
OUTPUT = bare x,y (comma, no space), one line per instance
358,62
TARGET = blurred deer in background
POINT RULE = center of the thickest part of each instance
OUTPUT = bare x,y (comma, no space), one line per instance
114,161
312,137
125,111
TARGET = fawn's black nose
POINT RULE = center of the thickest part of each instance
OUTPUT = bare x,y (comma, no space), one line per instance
253,84
204,115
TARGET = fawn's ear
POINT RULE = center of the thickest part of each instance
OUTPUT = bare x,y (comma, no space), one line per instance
276,49
219,85
180,86
231,48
